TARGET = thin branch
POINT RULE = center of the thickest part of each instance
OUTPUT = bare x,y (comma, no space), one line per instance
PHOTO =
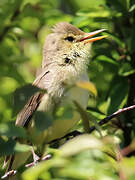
108,118
102,122
73,134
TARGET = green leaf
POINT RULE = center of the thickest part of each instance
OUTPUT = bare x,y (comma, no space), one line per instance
127,165
132,40
22,147
65,112
84,115
43,168
22,95
126,69
118,94
10,130
25,2
88,86
42,120
118,6
92,14
132,8
80,143
94,120
7,147
106,59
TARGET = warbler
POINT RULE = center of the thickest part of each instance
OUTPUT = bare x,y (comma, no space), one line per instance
65,60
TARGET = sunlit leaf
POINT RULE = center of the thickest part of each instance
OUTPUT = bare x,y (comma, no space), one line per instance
22,147
80,143
88,86
65,112
126,70
43,167
106,59
132,8
84,116
95,122
127,166
22,95
32,2
10,130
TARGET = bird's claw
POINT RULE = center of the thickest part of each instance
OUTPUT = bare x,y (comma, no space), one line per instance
48,156
31,164
36,160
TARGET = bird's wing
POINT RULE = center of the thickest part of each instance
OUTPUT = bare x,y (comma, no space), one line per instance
25,115
43,81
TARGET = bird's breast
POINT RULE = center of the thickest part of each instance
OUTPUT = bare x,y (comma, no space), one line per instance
63,124
79,94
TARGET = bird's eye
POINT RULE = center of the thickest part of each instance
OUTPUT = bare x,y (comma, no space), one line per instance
69,38
67,60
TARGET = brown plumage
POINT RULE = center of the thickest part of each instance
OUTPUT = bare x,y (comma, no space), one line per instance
64,27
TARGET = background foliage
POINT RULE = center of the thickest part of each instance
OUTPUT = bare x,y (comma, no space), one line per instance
24,24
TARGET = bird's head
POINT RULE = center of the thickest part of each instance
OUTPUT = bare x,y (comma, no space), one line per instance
69,47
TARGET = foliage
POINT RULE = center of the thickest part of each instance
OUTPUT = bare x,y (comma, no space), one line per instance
24,26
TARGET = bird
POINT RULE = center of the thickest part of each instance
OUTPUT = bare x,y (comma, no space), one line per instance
65,62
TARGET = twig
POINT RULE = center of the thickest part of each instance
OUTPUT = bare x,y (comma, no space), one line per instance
73,133
108,118
119,157
102,122
128,149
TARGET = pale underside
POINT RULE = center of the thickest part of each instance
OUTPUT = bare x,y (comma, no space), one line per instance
62,126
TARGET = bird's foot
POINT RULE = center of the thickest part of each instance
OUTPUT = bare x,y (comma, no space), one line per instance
46,157
31,164
36,159
9,173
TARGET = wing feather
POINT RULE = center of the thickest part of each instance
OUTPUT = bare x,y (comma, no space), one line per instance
26,113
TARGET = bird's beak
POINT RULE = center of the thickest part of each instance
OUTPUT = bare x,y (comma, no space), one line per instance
88,36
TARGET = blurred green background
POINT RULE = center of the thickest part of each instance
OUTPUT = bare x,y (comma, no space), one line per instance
24,25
